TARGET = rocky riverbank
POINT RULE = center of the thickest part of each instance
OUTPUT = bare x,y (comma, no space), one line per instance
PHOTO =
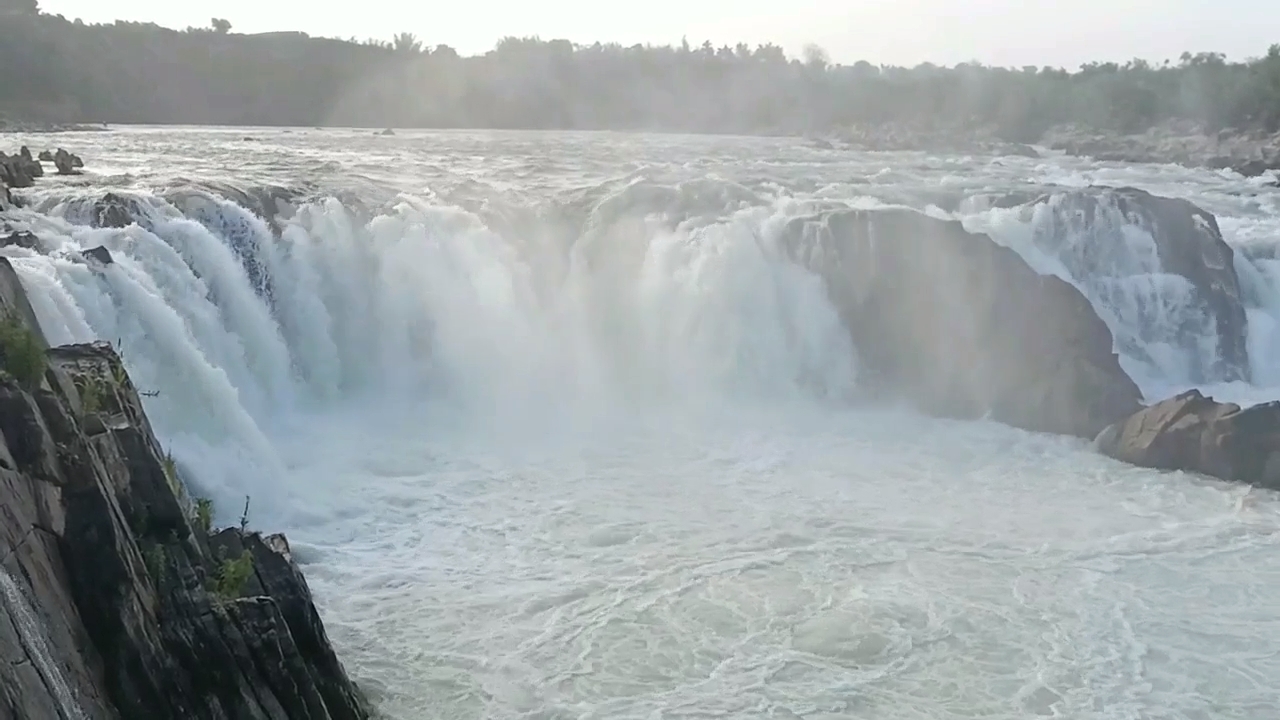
1248,152
120,599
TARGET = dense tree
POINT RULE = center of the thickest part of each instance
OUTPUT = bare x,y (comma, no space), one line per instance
59,70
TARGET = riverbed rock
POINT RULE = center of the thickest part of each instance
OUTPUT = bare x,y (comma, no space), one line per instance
22,239
1198,434
962,326
1088,231
100,255
113,210
17,172
66,163
133,610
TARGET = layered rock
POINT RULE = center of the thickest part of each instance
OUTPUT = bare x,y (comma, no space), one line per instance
120,602
1090,231
963,326
1198,434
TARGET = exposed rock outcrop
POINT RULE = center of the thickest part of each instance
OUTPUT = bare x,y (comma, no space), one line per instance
136,610
1198,434
963,326
19,171
1089,229
66,163
115,211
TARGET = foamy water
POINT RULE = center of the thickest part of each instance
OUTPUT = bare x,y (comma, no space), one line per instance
559,434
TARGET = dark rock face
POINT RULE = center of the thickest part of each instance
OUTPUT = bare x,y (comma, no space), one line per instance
134,617
963,326
1195,433
1085,229
46,156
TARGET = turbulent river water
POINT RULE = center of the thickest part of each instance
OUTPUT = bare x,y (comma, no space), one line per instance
557,432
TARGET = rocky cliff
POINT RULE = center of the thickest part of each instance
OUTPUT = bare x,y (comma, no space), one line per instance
118,599
962,326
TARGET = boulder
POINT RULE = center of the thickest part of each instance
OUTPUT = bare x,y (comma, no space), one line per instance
17,172
99,254
115,211
1195,433
22,239
67,163
1090,231
46,156
6,200
962,326
33,166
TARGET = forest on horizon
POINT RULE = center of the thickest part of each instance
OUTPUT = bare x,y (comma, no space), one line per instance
63,71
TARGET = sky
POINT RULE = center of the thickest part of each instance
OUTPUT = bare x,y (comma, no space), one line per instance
1063,33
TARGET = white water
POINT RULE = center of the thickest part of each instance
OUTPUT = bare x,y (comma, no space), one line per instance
31,634
548,452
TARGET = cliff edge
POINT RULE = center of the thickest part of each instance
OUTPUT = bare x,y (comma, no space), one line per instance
117,597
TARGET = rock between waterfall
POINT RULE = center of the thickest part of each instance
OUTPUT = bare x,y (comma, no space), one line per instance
1196,433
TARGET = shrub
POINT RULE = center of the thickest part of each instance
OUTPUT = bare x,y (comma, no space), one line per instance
23,355
204,514
92,394
232,576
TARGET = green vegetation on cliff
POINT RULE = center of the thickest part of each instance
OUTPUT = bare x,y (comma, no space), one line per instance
66,71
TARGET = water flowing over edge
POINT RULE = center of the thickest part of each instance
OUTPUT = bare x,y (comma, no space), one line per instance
628,300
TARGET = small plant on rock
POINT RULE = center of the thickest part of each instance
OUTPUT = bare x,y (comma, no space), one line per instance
232,576
204,515
156,563
23,356
92,394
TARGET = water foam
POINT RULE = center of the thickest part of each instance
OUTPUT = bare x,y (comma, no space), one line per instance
238,332
575,461
32,635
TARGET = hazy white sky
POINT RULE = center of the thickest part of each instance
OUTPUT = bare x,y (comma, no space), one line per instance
1004,32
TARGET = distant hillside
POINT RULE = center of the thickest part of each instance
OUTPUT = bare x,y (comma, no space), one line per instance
63,71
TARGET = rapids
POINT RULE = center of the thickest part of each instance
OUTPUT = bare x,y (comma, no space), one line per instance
558,432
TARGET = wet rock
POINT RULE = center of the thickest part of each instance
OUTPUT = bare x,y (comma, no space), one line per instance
1195,433
22,239
19,172
115,211
962,326
46,156
137,611
1087,230
388,131
33,166
66,163
100,255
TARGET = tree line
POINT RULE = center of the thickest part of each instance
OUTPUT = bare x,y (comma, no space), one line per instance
60,70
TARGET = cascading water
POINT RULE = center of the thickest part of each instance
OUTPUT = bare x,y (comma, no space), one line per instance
232,330
32,636
554,442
